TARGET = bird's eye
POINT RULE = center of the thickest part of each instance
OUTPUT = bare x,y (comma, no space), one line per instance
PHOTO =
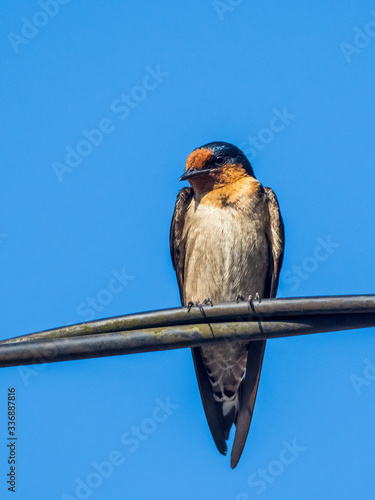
220,160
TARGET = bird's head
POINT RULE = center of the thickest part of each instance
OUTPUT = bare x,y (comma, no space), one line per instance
215,165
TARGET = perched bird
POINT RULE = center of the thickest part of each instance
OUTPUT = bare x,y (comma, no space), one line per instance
227,242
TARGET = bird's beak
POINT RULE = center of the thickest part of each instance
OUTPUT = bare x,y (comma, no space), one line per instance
192,172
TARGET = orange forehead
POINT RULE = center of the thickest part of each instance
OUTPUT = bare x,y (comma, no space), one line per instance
198,158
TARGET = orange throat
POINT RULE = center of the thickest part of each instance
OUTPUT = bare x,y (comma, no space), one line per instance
218,179
225,191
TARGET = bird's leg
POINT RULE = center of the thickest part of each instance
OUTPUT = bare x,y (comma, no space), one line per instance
189,305
200,307
239,298
257,297
251,303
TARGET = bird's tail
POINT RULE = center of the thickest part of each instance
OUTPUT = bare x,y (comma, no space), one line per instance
225,406
211,407
230,408
248,392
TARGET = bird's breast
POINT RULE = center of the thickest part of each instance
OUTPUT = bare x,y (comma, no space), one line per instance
226,251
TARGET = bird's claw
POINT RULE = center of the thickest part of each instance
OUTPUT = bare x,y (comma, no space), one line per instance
207,301
257,297
189,305
239,298
200,307
251,303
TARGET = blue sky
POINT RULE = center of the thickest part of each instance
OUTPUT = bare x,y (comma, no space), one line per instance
89,180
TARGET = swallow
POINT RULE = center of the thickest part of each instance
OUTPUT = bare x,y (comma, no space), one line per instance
226,241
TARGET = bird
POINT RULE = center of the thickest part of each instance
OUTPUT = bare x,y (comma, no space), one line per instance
226,243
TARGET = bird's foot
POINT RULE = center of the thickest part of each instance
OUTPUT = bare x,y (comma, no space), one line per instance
200,307
239,298
189,305
251,302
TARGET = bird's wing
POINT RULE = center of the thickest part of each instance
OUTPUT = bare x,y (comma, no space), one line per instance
277,242
211,407
249,386
177,247
176,240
